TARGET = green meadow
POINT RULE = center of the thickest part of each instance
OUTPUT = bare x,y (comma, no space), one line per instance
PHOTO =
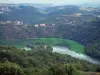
72,45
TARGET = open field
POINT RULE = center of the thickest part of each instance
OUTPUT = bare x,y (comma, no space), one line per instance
72,45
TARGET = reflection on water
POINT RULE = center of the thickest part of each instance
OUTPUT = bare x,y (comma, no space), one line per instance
64,50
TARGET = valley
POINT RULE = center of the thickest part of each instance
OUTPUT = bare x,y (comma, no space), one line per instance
47,39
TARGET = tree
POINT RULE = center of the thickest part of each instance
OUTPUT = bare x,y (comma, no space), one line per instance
8,68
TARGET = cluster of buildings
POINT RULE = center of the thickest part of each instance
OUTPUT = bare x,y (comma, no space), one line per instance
74,15
21,23
11,22
88,9
37,25
68,20
42,25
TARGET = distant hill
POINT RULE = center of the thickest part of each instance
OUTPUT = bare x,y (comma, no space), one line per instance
30,15
71,9
26,14
90,5
59,10
37,5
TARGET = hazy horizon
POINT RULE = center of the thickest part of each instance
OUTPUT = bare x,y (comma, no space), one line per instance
51,1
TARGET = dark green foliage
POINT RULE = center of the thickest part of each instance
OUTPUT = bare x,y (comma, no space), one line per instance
58,70
40,58
98,69
71,70
64,70
8,68
93,49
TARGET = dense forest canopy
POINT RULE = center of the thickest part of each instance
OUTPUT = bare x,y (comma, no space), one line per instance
40,61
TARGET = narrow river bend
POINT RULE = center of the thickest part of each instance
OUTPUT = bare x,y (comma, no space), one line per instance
64,50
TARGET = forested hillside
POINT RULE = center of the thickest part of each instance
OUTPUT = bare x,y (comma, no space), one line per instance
41,61
93,49
84,29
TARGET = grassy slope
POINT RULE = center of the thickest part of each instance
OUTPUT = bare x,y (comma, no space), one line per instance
73,45
76,46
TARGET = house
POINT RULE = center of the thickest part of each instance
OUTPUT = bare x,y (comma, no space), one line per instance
36,25
53,24
18,22
42,25
2,22
8,22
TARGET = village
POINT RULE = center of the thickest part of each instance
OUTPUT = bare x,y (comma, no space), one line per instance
21,23
11,22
